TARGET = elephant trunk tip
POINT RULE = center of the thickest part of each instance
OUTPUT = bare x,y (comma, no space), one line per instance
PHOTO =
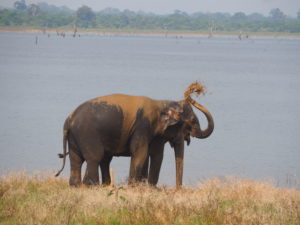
196,88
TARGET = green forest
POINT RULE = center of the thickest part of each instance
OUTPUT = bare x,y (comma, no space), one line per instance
45,16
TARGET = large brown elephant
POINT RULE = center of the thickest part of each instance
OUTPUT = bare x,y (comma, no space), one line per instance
123,125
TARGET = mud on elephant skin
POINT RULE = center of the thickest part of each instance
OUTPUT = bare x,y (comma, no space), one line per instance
175,135
120,125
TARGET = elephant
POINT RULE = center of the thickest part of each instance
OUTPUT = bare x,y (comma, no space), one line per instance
124,125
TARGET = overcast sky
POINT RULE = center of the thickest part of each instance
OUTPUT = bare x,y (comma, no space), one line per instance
289,7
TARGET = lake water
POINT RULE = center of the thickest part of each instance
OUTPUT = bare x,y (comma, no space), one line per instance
253,92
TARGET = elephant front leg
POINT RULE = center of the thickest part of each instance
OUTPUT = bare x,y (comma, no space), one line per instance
179,156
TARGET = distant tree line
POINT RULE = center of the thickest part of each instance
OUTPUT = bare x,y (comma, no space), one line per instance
43,15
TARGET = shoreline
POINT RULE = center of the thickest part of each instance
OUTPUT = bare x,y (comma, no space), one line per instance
178,34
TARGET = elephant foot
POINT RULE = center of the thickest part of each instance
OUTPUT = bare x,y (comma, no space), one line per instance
74,182
90,182
106,185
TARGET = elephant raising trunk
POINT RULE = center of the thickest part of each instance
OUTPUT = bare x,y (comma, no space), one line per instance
194,129
198,89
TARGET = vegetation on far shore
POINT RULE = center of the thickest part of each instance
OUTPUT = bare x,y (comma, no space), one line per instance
45,16
43,199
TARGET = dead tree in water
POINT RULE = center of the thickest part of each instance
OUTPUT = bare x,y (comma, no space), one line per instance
75,25
75,31
240,35
211,28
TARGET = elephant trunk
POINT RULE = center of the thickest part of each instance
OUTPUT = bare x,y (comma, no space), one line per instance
179,155
210,127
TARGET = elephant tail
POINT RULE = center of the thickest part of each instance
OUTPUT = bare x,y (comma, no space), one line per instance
65,140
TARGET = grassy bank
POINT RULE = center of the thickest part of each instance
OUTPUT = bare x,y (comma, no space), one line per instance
43,199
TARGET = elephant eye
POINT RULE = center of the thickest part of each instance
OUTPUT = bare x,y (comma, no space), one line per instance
194,120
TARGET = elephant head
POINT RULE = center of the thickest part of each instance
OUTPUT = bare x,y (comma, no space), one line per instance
190,127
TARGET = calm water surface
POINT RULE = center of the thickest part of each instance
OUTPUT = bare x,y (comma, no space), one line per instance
253,91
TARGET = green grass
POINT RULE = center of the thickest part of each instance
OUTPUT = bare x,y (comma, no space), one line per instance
43,199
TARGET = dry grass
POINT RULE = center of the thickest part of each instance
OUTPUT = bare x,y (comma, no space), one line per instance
43,199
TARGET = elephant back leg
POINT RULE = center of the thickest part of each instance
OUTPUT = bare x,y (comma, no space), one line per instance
93,152
139,154
145,170
91,176
104,165
76,162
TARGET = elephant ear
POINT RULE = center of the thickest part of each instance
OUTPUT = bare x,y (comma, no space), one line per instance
171,115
